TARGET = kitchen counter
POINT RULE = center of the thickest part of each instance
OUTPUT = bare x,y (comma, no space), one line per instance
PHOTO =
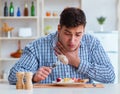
5,88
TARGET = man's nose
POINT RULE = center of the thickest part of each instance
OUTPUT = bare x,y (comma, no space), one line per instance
72,39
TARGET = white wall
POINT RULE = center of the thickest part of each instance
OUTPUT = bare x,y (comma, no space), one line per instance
106,8
119,36
97,8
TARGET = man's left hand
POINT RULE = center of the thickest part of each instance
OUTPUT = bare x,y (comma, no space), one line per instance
73,57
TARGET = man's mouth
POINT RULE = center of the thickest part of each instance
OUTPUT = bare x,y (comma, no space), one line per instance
71,45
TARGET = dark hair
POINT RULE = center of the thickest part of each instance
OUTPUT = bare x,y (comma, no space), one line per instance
72,17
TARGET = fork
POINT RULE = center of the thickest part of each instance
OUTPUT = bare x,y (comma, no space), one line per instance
55,64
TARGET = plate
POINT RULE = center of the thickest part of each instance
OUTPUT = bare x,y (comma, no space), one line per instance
66,83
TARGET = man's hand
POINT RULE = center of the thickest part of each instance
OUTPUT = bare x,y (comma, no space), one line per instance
41,74
73,57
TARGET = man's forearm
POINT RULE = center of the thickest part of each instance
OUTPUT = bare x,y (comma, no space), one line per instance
100,73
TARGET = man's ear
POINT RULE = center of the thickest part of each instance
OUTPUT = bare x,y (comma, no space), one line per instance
59,28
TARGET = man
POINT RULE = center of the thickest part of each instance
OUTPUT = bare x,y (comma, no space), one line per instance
86,56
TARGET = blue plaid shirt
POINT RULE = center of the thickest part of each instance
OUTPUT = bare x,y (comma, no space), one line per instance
94,62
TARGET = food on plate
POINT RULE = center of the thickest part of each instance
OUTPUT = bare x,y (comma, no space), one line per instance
78,80
58,79
71,80
68,80
63,59
64,80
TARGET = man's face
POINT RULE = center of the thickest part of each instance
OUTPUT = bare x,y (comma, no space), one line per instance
70,37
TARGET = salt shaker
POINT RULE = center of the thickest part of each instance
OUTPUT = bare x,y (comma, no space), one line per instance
20,82
28,80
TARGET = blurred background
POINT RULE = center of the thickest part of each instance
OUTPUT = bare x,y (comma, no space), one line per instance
27,20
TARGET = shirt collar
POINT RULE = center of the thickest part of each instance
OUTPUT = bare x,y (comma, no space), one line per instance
55,39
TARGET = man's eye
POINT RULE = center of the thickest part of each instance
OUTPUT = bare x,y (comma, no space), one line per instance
78,34
67,33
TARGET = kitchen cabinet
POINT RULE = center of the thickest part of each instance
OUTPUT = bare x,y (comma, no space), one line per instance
46,15
29,24
51,10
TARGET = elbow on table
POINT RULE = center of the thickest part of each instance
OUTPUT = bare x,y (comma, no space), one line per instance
110,78
11,81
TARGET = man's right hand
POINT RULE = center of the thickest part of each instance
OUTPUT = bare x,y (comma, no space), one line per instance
41,74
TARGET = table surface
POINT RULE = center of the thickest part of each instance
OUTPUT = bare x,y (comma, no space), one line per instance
5,88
